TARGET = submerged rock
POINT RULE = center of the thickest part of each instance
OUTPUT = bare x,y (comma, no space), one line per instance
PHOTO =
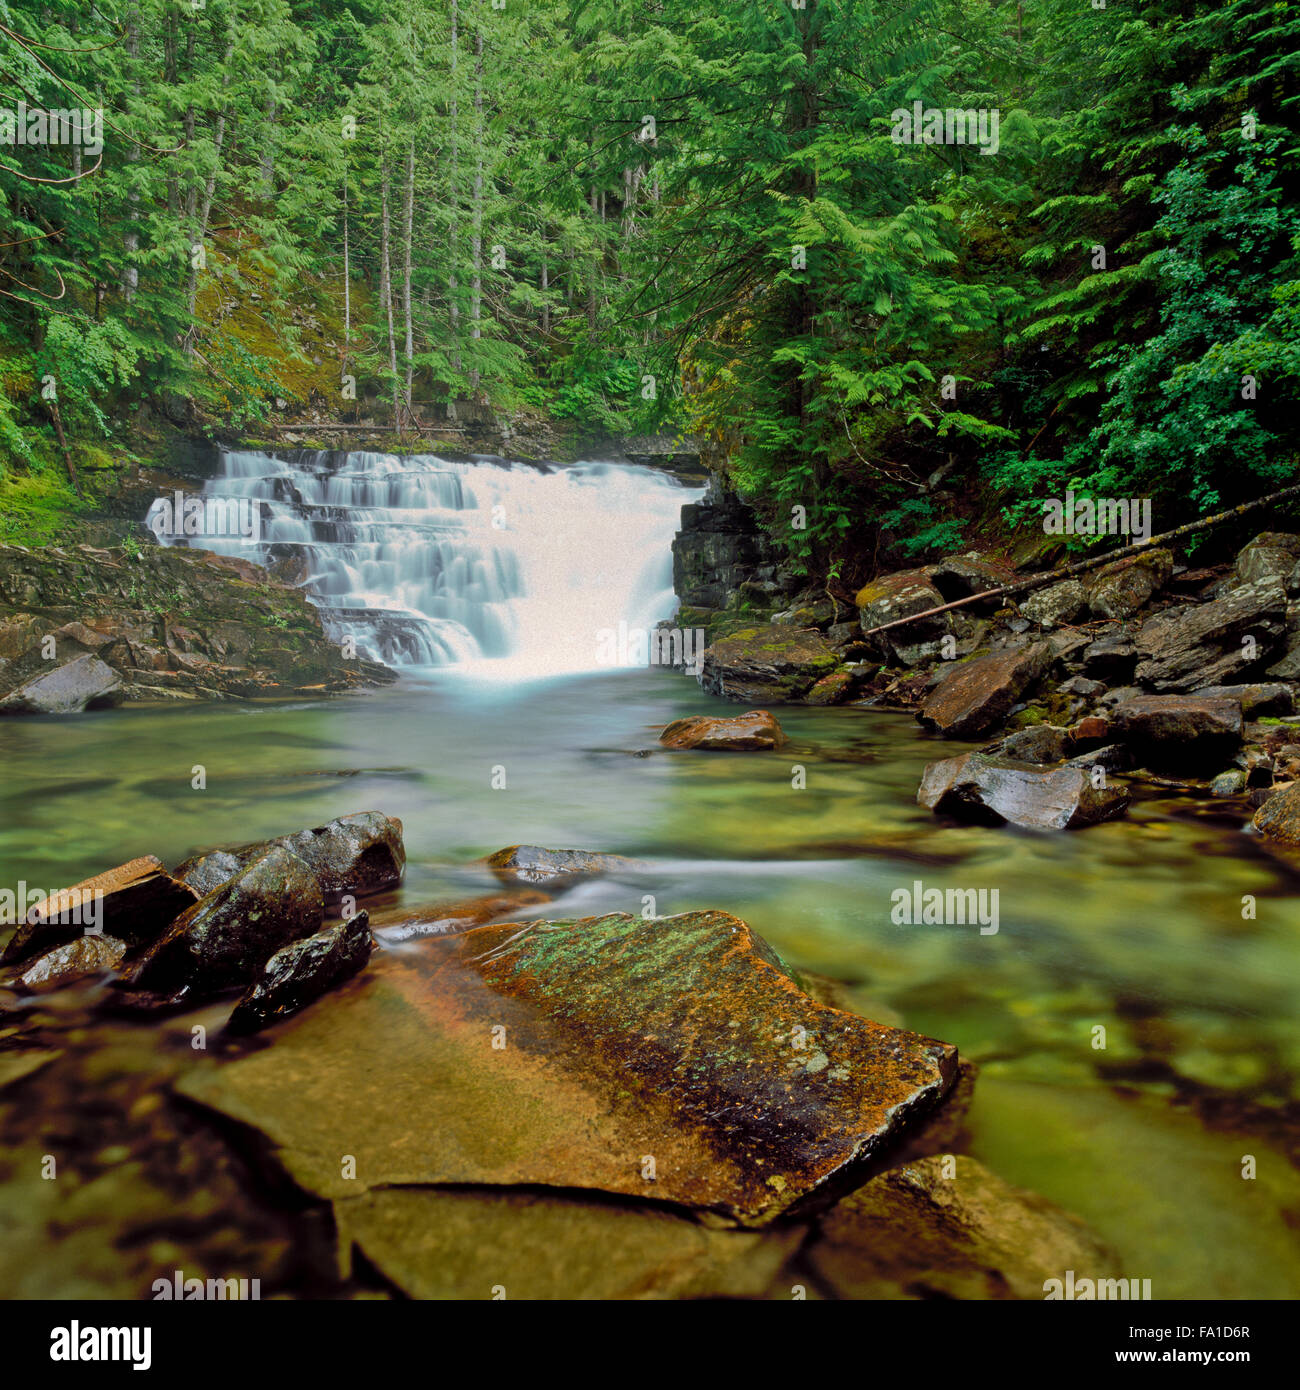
533,864
301,972
88,955
135,901
945,1227
671,1060
80,684
1179,731
454,1244
357,854
227,936
771,665
977,695
439,919
994,790
755,729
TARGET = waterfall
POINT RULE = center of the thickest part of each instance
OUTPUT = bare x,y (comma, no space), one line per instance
507,570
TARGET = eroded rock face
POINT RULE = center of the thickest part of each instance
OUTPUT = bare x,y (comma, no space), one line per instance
80,684
1179,731
301,972
682,1038
771,664
139,901
228,936
1192,646
993,790
977,695
915,1232
354,855
533,864
88,955
755,729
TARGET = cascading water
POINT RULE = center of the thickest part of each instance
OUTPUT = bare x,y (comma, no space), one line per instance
503,569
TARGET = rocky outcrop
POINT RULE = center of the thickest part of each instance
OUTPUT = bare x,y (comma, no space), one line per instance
977,695
352,856
81,628
533,864
756,729
768,665
1179,731
992,790
135,901
945,1227
228,936
720,547
672,1060
301,972
1216,643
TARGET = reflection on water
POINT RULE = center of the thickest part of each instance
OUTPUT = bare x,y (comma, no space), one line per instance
1134,927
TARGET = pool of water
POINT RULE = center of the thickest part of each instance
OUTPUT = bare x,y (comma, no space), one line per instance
1134,1019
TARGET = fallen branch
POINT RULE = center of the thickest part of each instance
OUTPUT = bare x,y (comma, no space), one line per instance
1055,576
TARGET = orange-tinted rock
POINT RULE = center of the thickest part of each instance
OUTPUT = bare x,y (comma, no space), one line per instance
136,901
977,695
1279,817
533,864
673,1060
755,729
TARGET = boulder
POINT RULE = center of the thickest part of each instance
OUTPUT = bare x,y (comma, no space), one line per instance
902,595
1111,657
755,729
80,684
1120,590
1195,645
768,665
1229,783
1279,817
1171,732
533,864
1272,698
945,1227
228,936
994,791
1057,604
833,689
683,1039
351,856
977,695
301,972
962,576
88,955
1039,743
1271,555
136,901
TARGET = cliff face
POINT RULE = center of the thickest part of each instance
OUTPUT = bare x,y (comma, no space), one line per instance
82,627
720,547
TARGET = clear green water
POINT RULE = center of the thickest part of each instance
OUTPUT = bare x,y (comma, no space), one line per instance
1135,927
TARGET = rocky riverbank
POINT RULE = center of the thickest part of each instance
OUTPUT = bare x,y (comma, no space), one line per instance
85,628
1145,668
475,1097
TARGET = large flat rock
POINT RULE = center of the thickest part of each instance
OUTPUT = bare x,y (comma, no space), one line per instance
977,695
673,1060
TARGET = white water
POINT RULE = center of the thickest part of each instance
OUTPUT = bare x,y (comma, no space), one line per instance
503,570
